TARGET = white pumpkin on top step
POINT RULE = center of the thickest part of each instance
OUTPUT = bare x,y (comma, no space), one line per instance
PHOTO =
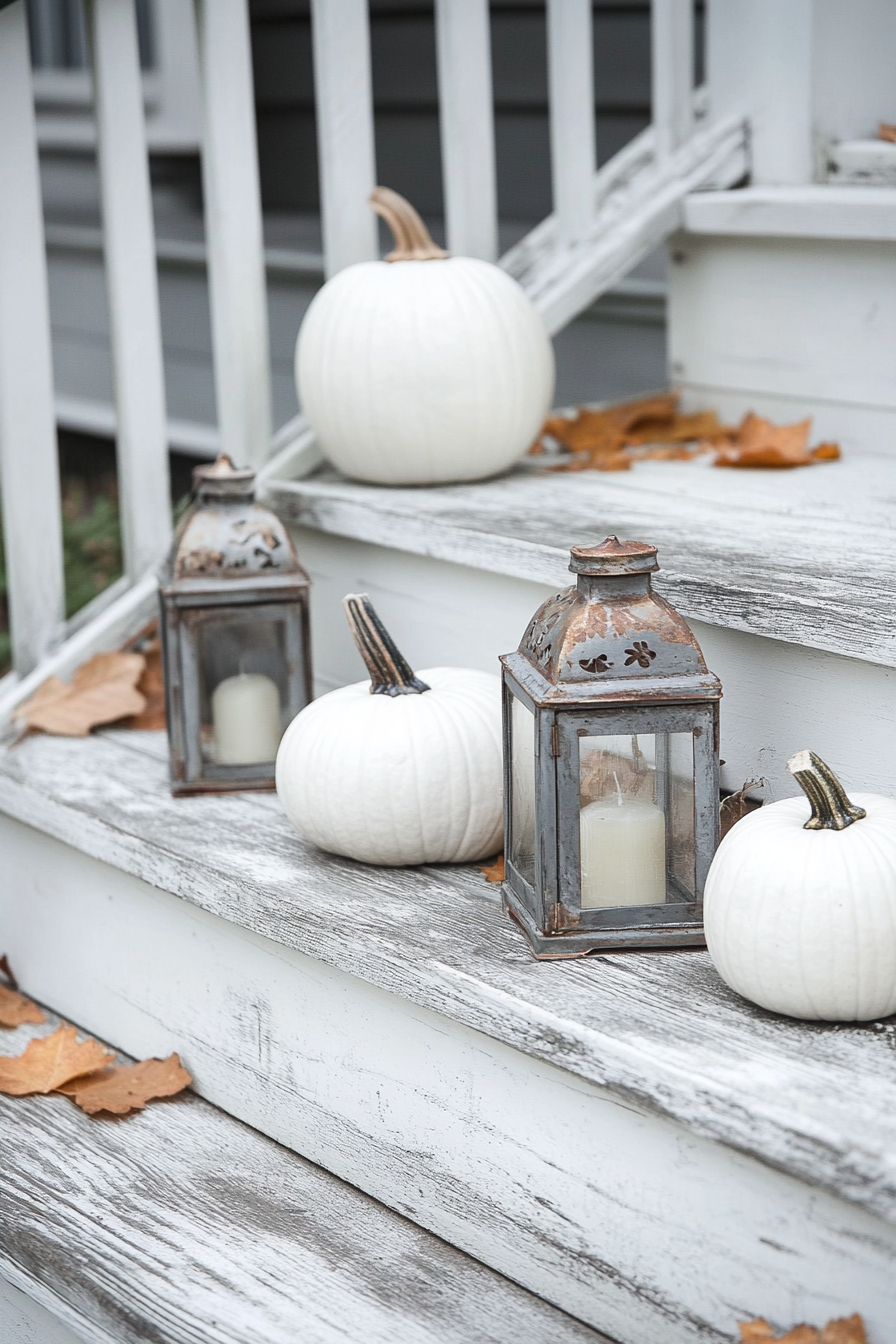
423,368
401,769
800,902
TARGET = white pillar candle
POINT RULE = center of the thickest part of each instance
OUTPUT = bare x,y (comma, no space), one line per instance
246,719
623,849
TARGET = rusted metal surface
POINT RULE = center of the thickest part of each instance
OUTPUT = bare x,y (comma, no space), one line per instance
234,598
608,658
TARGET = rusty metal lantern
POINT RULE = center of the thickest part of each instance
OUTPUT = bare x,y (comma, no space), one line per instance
611,764
235,638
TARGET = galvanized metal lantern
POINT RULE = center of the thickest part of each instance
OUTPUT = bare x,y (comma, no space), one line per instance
611,764
235,641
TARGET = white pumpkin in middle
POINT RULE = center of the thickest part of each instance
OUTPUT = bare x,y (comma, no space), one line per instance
423,368
401,769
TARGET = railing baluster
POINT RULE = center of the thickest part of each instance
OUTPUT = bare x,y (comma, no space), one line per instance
345,147
571,89
129,247
672,53
233,231
29,467
466,119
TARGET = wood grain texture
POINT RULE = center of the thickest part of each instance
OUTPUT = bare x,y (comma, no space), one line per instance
183,1225
750,551
661,1032
628,1221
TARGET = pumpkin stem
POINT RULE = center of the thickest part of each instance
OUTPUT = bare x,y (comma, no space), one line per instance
390,673
412,240
831,809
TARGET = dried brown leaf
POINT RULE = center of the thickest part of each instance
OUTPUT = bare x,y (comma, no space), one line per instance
152,686
826,452
494,871
15,1009
846,1330
101,691
6,970
737,805
887,131
124,1088
49,1062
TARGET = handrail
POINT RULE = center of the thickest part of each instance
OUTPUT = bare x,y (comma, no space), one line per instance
603,222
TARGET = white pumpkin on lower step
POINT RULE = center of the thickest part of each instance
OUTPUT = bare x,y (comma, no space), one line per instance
401,769
800,902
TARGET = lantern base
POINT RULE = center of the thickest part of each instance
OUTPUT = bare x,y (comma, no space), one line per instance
180,789
581,942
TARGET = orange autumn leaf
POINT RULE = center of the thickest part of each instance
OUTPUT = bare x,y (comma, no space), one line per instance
15,1009
844,1330
494,871
102,690
887,131
825,452
123,1088
6,970
152,686
49,1062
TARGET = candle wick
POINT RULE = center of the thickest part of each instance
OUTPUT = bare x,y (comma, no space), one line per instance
618,790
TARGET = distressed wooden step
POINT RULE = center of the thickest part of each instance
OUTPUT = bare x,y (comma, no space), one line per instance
182,1225
622,1136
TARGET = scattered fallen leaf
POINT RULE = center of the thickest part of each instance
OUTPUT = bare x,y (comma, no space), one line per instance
887,131
737,805
845,1330
49,1062
6,970
15,1009
151,685
123,1088
101,691
652,428
494,871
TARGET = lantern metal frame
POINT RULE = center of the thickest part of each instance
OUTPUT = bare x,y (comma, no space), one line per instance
232,560
570,674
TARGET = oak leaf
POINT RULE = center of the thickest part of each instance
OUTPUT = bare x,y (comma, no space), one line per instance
845,1330
123,1088
494,871
737,805
151,685
758,442
102,690
15,1009
887,131
47,1063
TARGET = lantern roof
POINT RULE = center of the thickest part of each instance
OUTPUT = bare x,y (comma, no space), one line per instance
227,536
610,638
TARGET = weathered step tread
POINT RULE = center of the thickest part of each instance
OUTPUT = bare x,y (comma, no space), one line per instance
660,1030
181,1225
745,550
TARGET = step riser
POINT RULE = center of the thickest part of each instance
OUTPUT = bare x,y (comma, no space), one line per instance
624,1219
441,613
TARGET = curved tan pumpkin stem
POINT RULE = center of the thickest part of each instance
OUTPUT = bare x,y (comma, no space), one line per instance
390,672
412,240
831,809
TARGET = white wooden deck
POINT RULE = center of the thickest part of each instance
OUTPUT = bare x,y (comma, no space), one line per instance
183,1225
622,1136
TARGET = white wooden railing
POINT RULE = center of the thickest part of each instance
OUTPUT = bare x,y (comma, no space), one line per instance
603,223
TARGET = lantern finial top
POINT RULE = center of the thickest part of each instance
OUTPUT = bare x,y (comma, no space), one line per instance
222,480
613,556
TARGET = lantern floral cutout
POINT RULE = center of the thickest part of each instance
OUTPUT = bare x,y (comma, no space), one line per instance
611,764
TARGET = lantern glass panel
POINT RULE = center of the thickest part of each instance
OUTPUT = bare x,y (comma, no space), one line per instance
243,690
636,819
522,813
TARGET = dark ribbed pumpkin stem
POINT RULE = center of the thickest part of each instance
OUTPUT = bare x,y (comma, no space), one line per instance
390,673
831,809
